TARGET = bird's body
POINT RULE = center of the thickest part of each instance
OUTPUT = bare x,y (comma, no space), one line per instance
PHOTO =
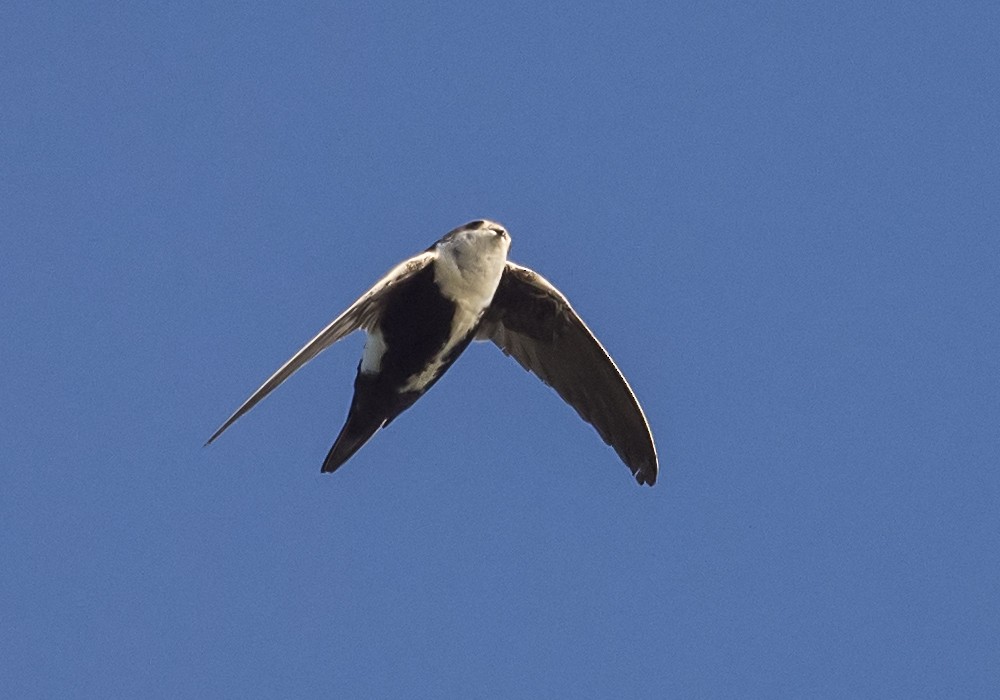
424,313
427,320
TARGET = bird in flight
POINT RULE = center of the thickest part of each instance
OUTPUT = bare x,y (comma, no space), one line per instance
423,314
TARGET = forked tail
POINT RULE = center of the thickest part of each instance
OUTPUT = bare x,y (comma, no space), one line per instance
358,430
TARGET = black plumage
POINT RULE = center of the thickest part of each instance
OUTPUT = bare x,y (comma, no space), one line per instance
415,324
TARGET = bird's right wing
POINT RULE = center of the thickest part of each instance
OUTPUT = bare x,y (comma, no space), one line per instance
361,314
530,320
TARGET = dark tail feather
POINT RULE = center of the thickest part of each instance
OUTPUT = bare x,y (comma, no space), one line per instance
356,432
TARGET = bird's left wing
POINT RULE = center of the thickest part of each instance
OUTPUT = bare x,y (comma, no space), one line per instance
531,321
361,314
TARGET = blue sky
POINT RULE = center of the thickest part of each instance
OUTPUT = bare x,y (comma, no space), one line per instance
781,220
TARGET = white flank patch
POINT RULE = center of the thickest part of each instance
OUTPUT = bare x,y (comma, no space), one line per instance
463,323
371,360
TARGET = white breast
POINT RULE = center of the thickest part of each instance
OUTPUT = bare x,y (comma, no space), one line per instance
470,278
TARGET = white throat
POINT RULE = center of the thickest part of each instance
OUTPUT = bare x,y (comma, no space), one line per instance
468,268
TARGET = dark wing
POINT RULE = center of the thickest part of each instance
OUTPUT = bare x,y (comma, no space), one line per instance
360,314
531,321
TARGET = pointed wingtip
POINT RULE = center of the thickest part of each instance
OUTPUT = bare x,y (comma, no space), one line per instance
233,418
217,433
646,475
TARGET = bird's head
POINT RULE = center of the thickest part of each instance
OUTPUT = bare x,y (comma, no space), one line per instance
477,239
